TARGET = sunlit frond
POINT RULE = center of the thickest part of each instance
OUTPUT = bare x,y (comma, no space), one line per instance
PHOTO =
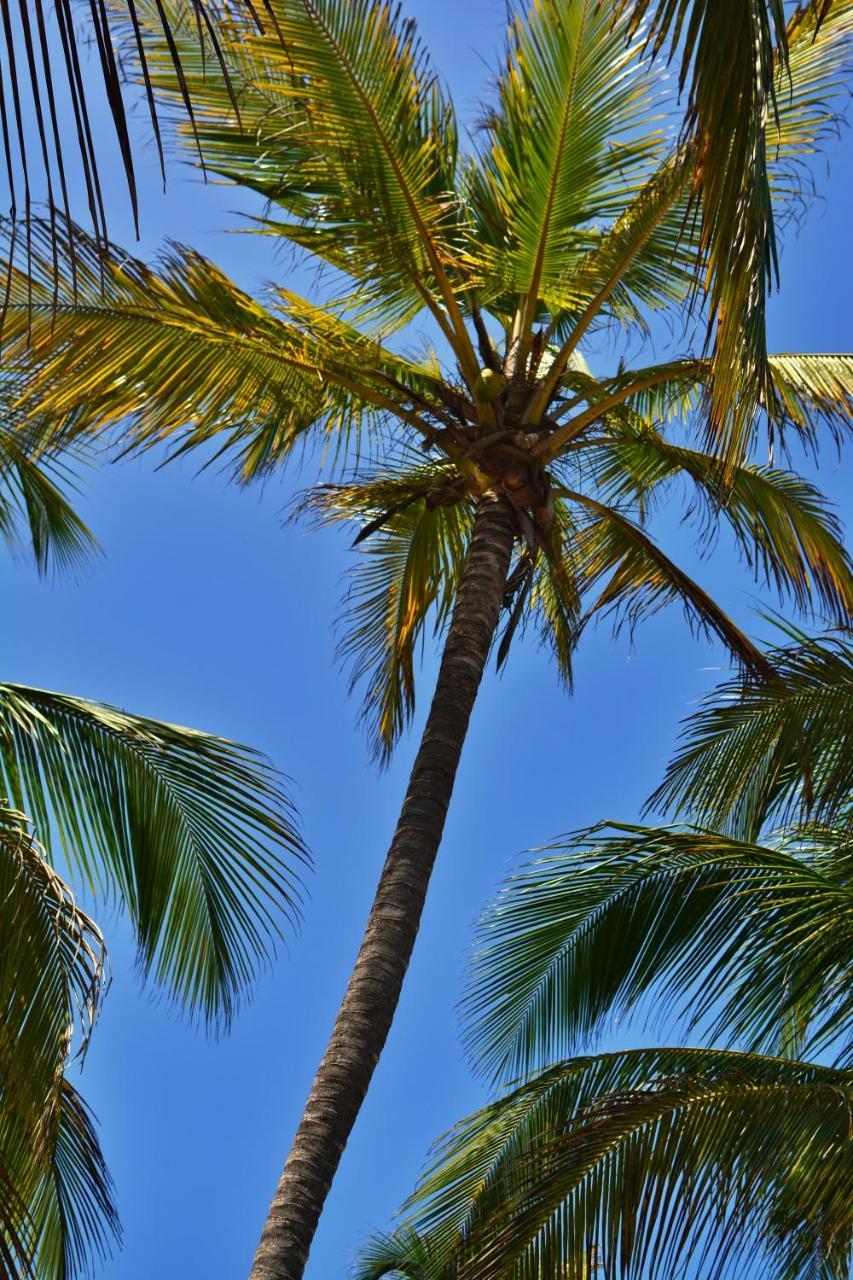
662,1161
193,832
343,125
570,138
178,352
774,749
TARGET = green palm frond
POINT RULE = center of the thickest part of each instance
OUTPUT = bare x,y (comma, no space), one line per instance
706,923
783,526
663,1161
34,511
757,752
744,60
194,833
357,144
55,1195
413,540
568,143
810,395
639,579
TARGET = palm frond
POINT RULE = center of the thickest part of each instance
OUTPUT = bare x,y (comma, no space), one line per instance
810,395
45,100
770,750
34,511
783,526
662,1161
56,1206
707,923
178,351
570,139
410,561
193,833
356,142
744,60
639,578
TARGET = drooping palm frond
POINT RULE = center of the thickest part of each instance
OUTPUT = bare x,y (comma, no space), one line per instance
194,833
783,527
771,750
415,534
56,1209
664,1161
637,578
178,351
728,935
34,511
743,59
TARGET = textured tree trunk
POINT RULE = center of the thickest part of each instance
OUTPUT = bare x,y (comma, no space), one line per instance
365,1017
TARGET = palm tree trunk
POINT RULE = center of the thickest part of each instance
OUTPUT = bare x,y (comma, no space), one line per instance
365,1017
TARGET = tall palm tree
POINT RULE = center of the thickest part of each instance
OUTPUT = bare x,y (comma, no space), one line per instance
498,473
193,836
732,1161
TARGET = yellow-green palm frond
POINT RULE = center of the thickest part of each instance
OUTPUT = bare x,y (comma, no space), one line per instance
343,125
414,524
661,1161
570,138
773,750
701,923
56,1209
71,1221
176,351
809,396
783,527
194,833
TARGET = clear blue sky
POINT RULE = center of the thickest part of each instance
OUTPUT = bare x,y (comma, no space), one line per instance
206,611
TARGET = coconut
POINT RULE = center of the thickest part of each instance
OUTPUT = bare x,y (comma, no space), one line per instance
489,385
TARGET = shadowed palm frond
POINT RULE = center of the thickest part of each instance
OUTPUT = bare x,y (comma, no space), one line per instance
34,511
194,833
55,1195
665,1160
770,750
46,98
705,923
414,536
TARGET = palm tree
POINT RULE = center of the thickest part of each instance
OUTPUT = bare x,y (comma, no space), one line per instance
724,1161
498,473
195,838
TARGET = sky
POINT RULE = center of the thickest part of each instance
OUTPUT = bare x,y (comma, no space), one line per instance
206,609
